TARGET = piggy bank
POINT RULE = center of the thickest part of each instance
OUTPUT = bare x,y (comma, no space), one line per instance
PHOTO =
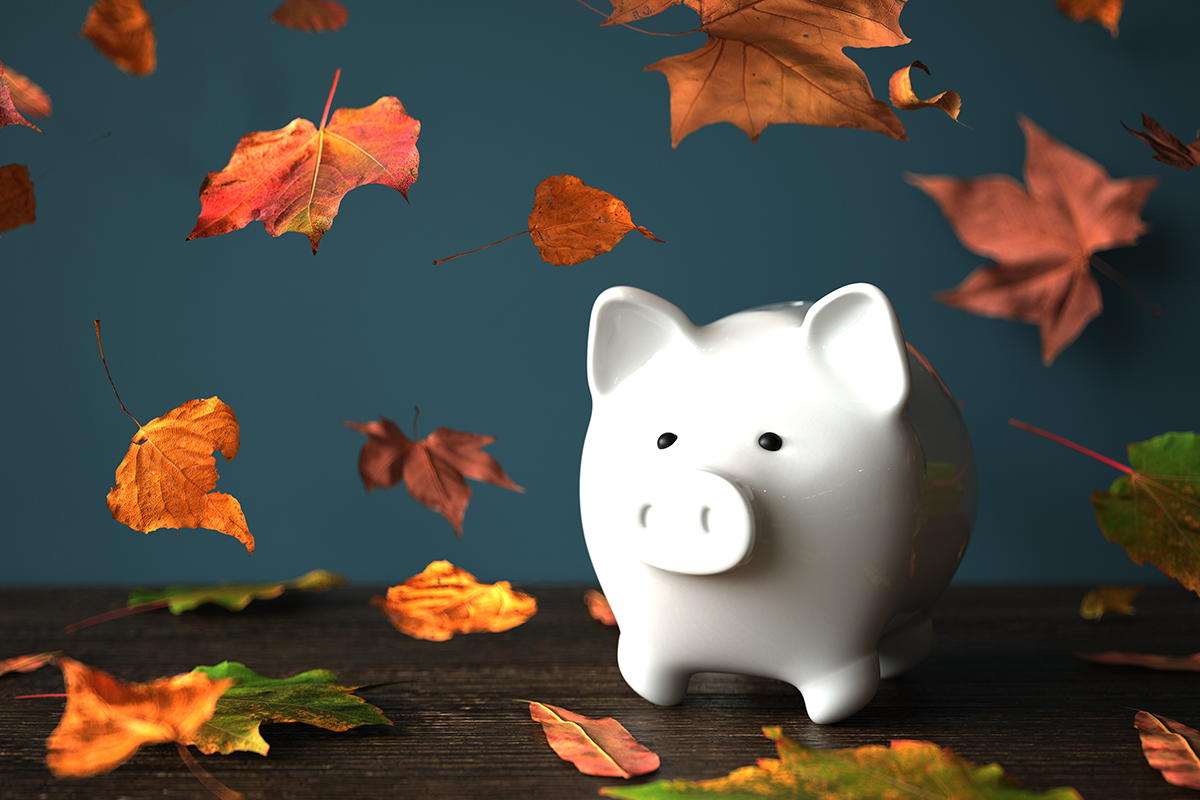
784,493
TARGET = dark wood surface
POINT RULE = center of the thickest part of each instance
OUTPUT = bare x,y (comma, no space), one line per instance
1002,685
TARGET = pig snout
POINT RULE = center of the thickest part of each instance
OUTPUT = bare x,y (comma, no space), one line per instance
693,522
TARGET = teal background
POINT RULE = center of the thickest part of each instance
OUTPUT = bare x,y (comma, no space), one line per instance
508,94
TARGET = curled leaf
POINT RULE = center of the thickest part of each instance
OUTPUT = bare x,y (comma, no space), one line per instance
26,663
312,16
235,597
1168,148
17,203
1150,661
598,607
594,746
902,95
1103,12
1109,600
9,114
27,96
124,34
1170,747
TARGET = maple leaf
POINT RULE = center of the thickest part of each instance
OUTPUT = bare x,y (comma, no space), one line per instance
27,663
444,600
17,204
598,607
107,720
314,697
1104,12
773,61
1109,600
294,178
594,746
432,468
1170,747
1168,148
9,115
234,597
123,33
901,93
905,769
27,97
312,16
1189,663
1042,235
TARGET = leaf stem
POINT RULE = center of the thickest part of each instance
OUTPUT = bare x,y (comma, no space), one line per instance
116,614
1153,309
1056,438
77,151
329,100
110,380
416,413
212,784
33,696
477,249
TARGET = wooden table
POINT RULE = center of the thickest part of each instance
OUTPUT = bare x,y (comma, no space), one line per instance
1002,685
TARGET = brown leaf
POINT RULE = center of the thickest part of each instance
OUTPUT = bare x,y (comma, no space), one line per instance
572,222
1104,12
1168,147
445,600
1150,661
594,746
17,204
1170,747
106,720
26,663
598,607
27,96
123,32
312,16
9,115
902,95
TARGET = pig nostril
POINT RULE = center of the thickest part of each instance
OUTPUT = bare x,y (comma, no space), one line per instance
643,513
704,511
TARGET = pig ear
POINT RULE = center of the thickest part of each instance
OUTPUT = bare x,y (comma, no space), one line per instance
628,327
853,340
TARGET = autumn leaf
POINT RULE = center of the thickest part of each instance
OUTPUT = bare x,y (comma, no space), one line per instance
26,663
1189,663
445,600
107,720
432,468
1168,148
1170,747
312,16
294,178
235,597
905,769
27,96
598,607
594,746
1109,600
902,95
775,61
9,115
1042,235
124,34
17,203
314,697
1104,12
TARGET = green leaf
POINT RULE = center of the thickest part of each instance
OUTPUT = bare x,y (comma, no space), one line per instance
1154,512
907,769
234,597
312,697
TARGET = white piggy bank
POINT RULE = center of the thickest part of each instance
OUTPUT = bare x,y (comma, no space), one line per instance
783,493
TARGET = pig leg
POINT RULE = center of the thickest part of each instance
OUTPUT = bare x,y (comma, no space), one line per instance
841,692
647,674
905,647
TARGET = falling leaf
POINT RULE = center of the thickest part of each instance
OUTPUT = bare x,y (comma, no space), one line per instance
1042,235
106,720
27,96
906,769
594,746
313,16
313,697
1109,600
1170,747
432,468
773,61
1169,663
167,477
26,663
9,115
1104,12
1168,147
124,34
445,600
294,178
598,607
17,204
902,95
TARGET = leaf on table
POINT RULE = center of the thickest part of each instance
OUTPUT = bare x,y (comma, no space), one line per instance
1042,236
27,96
167,476
106,720
901,93
1170,747
594,746
1104,12
17,204
314,697
1168,148
432,469
776,61
1150,661
312,16
124,34
9,114
445,600
294,178
27,663
234,597
906,769
1109,600
598,607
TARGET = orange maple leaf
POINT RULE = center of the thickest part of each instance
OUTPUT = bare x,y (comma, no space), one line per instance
432,468
9,115
773,61
107,720
445,600
294,178
1042,236
312,16
17,203
1104,12
124,34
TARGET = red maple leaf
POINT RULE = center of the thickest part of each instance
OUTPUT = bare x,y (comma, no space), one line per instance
9,115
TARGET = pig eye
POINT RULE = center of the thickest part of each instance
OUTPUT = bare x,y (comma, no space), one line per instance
770,441
666,440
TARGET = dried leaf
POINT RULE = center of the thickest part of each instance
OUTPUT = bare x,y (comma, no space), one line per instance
27,663
902,95
106,720
1104,12
906,769
598,607
294,178
17,204
27,96
313,697
235,597
9,115
594,746
1170,663
1168,147
1109,600
167,477
312,16
432,468
1170,747
572,222
445,600
1042,236
124,34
